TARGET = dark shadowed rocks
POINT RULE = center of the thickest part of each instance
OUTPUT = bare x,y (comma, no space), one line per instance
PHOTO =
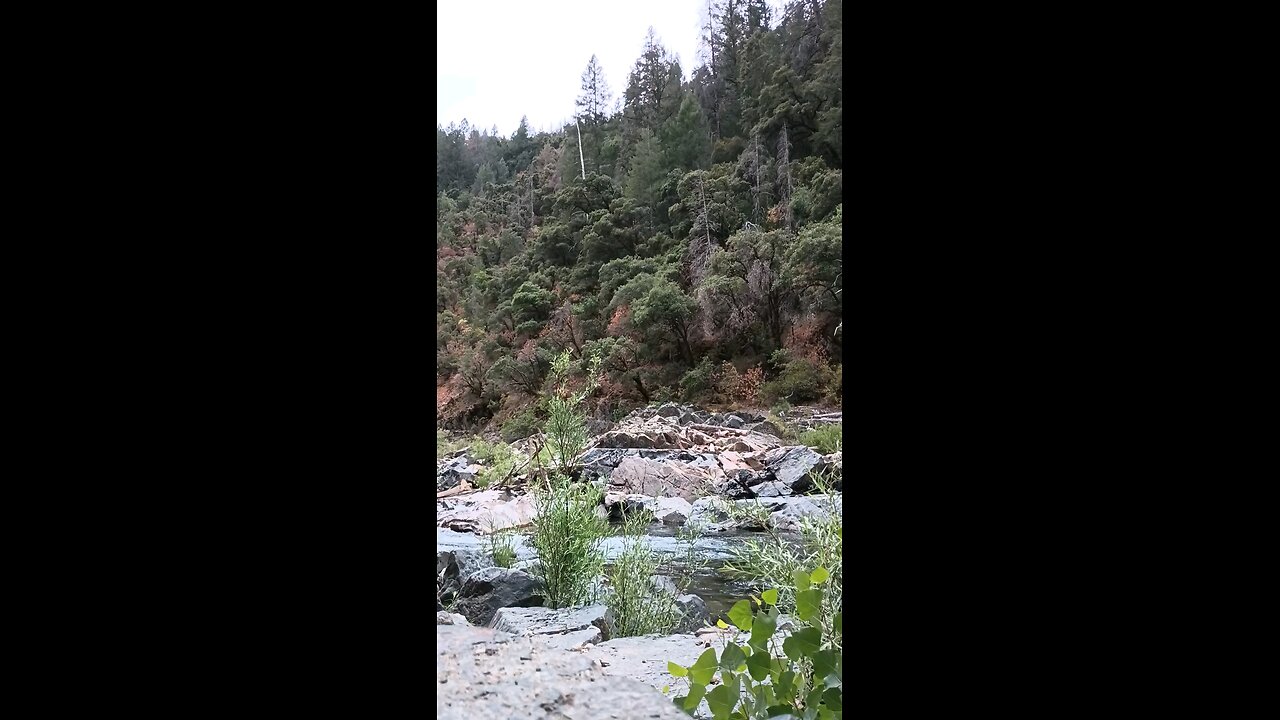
486,591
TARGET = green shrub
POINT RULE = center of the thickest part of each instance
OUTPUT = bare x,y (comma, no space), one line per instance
697,381
770,561
566,536
638,607
520,426
825,439
566,427
801,380
499,461
799,677
502,548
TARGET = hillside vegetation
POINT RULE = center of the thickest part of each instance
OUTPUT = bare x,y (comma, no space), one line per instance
699,258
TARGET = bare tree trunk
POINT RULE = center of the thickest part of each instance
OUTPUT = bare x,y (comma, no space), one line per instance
784,176
581,160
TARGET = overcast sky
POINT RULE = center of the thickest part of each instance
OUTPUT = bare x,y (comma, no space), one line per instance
500,59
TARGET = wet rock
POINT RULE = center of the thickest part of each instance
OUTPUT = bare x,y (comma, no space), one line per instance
486,591
662,583
665,510
709,513
488,674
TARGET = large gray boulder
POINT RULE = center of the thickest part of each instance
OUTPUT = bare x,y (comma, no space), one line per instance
485,592
693,613
789,513
453,566
793,466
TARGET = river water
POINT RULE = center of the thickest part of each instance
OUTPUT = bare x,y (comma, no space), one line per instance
711,552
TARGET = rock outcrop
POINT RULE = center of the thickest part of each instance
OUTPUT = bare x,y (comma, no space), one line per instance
483,673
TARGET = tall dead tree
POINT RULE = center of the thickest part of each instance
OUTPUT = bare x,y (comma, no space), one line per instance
784,177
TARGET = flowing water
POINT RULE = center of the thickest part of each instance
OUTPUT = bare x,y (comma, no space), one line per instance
710,552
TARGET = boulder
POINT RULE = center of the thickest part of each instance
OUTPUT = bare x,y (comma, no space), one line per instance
522,621
665,510
793,466
693,613
636,475
772,489
485,511
486,591
448,618
787,513
453,566
455,471
669,410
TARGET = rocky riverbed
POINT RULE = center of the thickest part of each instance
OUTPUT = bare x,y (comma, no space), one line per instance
709,479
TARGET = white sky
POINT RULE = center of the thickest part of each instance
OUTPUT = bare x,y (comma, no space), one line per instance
500,59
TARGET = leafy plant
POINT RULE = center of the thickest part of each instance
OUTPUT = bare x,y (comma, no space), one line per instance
499,461
566,427
502,548
771,561
800,676
638,607
520,426
567,536
825,439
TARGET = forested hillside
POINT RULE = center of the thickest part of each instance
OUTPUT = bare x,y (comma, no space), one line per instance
701,256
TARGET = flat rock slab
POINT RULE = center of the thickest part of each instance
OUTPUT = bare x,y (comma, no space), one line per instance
485,511
482,673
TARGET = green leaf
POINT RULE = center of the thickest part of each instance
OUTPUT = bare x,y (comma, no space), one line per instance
786,686
824,663
766,623
704,669
740,614
677,670
722,625
838,622
732,657
802,643
834,698
779,711
808,603
696,693
722,700
758,665
770,596
801,579
820,576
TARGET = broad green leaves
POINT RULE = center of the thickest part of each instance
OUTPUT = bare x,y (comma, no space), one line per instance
740,614
799,679
700,672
